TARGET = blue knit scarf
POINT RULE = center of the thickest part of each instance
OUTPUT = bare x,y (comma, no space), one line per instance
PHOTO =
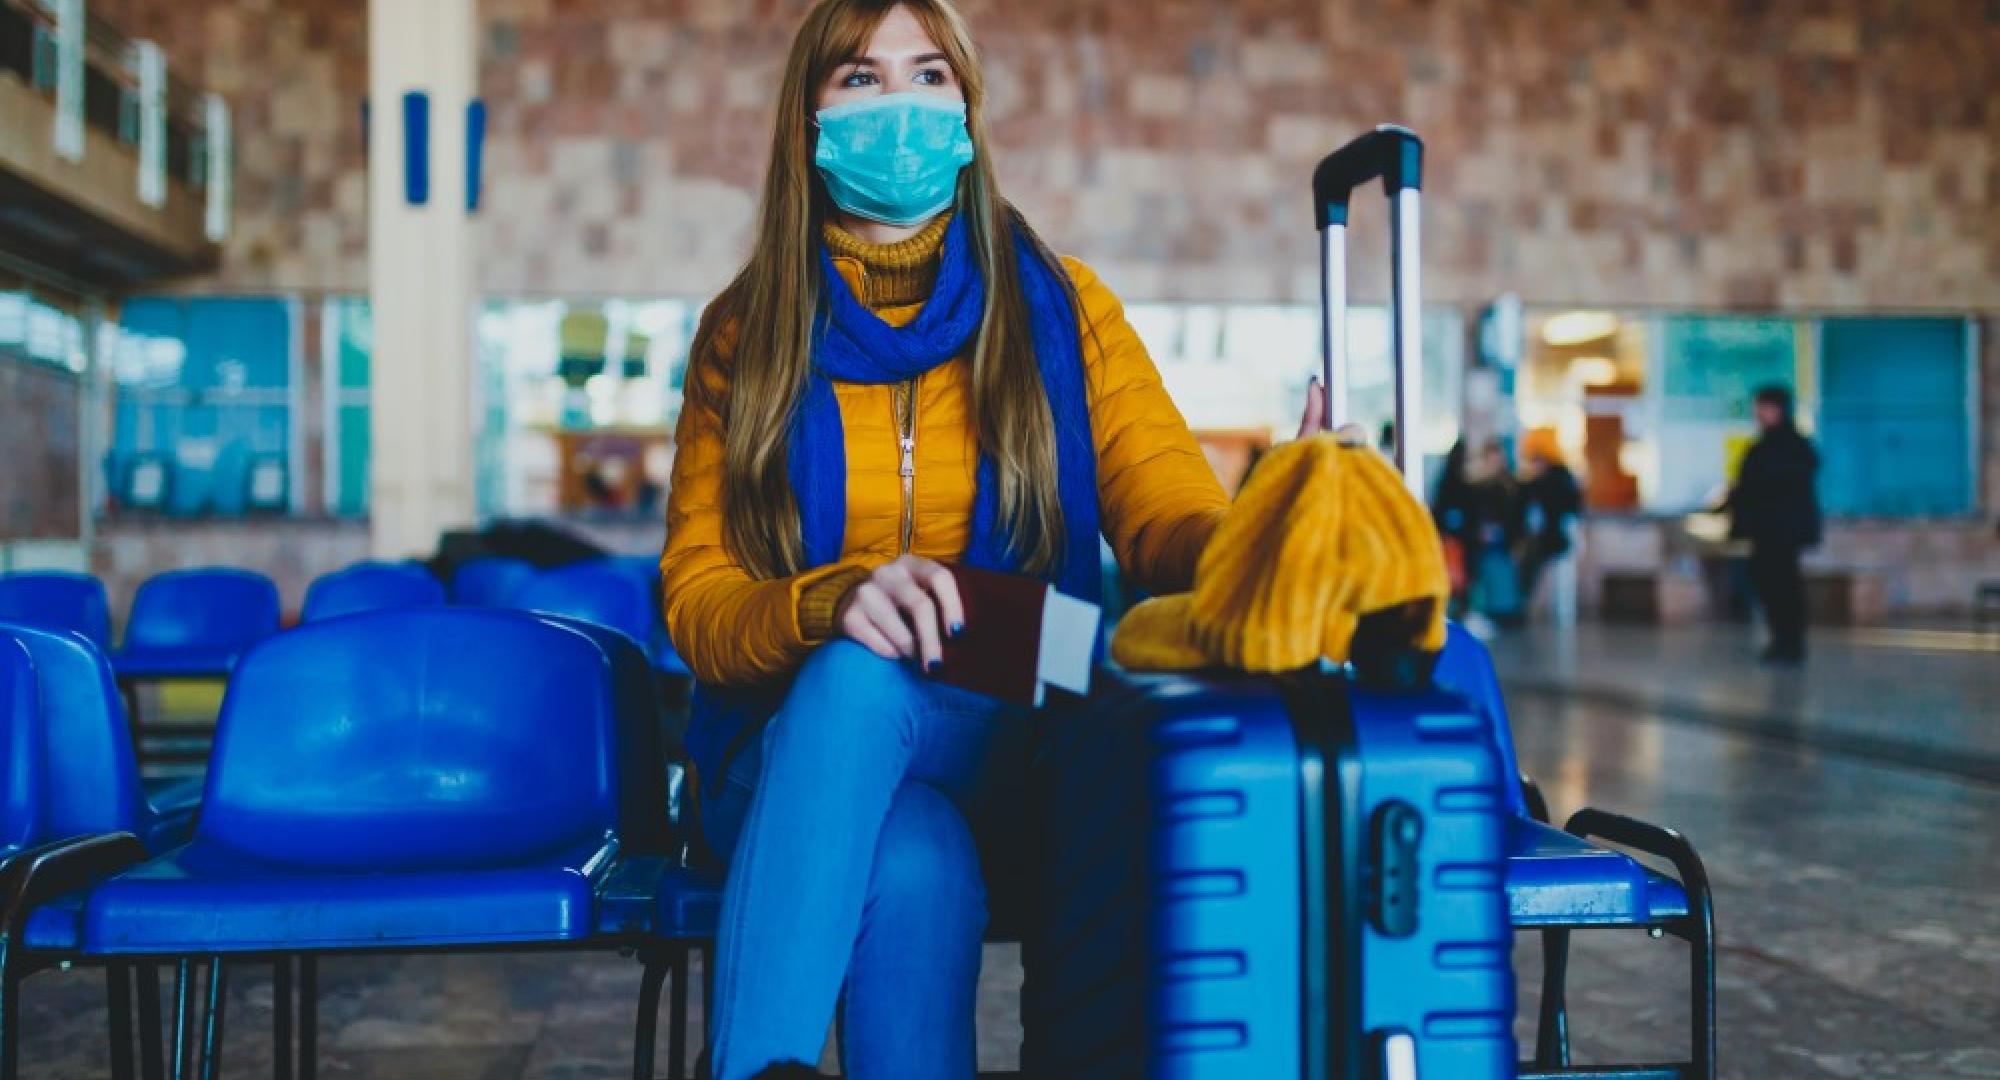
853,344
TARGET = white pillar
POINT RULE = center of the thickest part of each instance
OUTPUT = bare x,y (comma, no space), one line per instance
420,275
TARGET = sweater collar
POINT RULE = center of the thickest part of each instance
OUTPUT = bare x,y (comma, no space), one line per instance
889,274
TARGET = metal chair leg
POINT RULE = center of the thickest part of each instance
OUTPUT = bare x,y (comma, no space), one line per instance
1701,979
10,1007
281,1018
308,1016
211,1038
707,953
183,1010
1552,1032
646,1025
1697,928
118,1003
152,1064
677,1016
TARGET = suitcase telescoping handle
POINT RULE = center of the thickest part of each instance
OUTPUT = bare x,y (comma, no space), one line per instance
1395,156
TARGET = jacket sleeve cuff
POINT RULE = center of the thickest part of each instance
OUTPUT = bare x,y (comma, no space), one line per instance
819,600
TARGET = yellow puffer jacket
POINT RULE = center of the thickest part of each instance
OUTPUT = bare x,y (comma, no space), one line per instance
1160,499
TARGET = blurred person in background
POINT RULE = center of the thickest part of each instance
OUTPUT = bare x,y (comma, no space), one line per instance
1775,507
1476,510
1496,526
1550,500
1451,503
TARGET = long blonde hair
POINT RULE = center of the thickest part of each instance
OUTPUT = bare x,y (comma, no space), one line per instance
774,300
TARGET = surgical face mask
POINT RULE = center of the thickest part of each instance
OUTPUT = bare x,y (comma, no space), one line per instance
893,158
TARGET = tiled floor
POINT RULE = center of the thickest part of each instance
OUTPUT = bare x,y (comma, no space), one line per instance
1852,838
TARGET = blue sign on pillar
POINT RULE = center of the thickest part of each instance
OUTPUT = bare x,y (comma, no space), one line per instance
416,148
475,145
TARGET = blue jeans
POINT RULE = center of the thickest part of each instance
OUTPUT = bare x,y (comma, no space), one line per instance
853,868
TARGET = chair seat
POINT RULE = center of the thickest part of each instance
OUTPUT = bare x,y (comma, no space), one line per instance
1556,879
162,663
690,903
54,926
202,898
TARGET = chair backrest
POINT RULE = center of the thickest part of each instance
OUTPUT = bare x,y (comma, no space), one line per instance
646,570
490,581
1466,668
641,759
417,738
57,600
599,591
370,586
20,749
207,608
90,778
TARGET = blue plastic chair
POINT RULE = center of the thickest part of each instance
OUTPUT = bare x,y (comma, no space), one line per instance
646,568
618,592
57,600
75,787
472,779
370,586
491,581
195,623
1558,881
597,592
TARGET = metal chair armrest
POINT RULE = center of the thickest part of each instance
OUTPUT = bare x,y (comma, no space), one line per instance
34,877
1650,839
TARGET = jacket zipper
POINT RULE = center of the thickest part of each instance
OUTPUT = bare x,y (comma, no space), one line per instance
906,437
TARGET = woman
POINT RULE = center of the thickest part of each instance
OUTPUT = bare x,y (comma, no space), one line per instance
901,375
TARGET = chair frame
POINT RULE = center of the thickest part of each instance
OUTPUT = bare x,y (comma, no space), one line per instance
1697,928
37,875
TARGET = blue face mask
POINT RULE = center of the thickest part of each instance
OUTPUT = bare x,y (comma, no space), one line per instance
894,158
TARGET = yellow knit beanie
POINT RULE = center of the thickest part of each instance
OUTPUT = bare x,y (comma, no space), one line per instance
1321,535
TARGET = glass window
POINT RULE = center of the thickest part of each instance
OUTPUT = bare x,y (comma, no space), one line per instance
1896,401
580,398
347,341
1708,370
33,330
202,402
1655,410
1238,373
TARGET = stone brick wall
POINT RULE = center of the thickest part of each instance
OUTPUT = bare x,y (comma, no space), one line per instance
1709,153
295,73
39,414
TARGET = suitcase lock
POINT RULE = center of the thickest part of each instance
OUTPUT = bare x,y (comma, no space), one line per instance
1391,880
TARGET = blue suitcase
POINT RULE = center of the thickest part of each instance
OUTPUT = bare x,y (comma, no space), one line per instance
1258,877
1299,876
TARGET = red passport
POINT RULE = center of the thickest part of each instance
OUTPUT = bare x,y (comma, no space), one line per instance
1021,637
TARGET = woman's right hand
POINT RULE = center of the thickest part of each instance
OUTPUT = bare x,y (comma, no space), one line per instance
903,610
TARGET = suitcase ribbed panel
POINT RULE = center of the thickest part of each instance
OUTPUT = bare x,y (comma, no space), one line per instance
1451,983
1225,878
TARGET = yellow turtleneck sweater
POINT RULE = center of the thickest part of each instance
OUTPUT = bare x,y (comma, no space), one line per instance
897,274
